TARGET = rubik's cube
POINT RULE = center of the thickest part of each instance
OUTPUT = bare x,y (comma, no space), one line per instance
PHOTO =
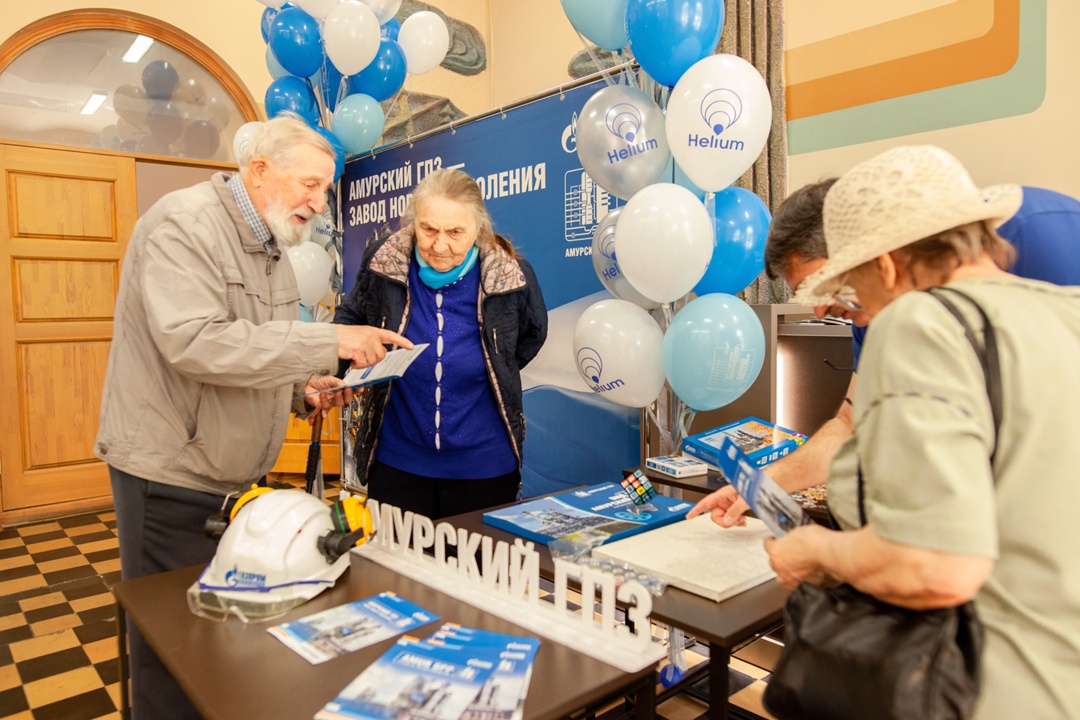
638,487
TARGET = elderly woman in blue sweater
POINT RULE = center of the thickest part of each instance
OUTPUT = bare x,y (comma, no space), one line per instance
446,437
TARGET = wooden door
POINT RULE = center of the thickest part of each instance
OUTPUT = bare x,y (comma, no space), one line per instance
65,218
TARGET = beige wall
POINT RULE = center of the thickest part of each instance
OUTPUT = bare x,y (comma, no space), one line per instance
532,45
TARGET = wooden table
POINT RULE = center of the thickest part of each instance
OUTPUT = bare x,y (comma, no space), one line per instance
233,671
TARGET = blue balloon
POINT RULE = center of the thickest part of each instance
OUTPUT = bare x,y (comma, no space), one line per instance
267,21
713,351
297,42
741,223
390,29
668,36
294,95
305,315
339,150
600,21
159,79
272,64
385,75
358,122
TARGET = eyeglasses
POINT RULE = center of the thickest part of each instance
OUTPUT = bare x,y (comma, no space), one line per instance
846,298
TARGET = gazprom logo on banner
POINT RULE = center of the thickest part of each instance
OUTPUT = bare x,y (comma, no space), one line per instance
720,109
569,136
591,366
624,121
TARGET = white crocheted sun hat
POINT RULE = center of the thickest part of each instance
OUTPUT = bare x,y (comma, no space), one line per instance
901,196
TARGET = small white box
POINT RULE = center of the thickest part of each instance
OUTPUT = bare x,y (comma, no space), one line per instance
676,465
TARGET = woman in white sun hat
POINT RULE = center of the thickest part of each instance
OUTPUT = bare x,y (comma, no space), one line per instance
955,509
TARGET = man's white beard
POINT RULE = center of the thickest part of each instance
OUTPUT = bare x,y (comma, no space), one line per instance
282,227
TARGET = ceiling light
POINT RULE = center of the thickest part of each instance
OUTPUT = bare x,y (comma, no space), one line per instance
138,48
93,104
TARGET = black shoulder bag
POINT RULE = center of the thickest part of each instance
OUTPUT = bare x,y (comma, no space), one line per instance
849,656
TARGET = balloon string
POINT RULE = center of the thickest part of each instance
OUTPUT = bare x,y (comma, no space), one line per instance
596,61
686,419
665,436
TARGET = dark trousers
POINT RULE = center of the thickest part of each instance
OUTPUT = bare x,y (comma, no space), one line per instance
437,497
160,529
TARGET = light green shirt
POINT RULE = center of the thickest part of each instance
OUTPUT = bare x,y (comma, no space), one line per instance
924,434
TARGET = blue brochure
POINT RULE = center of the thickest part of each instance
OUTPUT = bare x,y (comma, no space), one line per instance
766,499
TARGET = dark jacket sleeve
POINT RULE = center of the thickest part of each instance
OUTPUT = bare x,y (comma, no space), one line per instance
532,319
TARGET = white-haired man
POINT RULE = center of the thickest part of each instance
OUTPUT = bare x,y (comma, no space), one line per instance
208,353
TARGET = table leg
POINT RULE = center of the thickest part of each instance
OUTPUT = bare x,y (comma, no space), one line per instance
122,661
645,699
719,659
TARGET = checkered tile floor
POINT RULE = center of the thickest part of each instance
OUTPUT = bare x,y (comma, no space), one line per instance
58,619
58,628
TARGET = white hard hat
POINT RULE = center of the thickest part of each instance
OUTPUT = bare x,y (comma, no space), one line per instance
268,560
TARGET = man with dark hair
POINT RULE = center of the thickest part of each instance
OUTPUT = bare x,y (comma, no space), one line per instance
1045,232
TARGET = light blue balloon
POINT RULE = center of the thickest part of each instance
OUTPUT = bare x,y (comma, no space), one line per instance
713,351
272,64
668,36
358,122
297,42
305,315
601,21
741,223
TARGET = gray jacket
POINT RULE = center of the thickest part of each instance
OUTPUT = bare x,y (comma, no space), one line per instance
208,350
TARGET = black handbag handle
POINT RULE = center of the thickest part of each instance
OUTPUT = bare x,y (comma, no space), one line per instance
987,354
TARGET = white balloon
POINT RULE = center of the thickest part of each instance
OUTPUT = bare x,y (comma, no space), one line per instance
425,40
351,36
718,118
311,265
607,267
665,241
276,4
242,139
384,9
618,352
318,9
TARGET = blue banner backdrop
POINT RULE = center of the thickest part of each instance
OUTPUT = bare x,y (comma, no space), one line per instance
525,162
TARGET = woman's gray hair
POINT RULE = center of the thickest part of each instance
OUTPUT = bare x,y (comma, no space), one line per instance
461,188
930,261
278,138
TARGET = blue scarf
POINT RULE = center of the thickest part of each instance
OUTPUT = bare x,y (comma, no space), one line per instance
437,280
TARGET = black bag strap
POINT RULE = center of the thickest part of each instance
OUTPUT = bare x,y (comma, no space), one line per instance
988,359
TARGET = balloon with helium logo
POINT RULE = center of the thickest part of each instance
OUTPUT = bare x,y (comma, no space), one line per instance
621,141
617,350
713,350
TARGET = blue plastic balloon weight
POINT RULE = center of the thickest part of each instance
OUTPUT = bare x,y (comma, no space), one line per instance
297,42
741,224
670,674
713,350
668,36
358,122
294,95
339,151
385,75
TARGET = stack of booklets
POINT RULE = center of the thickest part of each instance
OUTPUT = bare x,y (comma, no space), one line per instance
760,440
603,509
458,672
340,630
